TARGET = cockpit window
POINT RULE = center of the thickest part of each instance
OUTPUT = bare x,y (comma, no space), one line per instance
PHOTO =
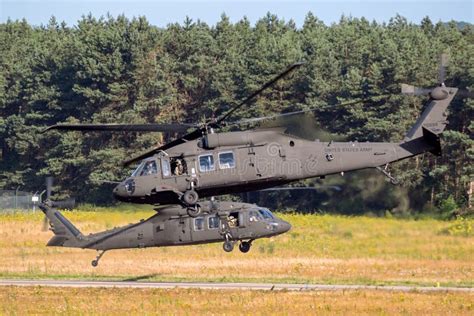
149,168
255,216
265,213
136,171
206,163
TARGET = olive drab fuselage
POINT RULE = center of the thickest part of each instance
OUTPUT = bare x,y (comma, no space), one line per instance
232,162
269,159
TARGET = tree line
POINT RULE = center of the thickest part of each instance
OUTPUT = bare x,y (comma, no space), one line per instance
120,70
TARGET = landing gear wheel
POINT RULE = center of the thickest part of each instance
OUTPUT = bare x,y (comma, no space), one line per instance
190,197
194,211
245,246
95,262
228,246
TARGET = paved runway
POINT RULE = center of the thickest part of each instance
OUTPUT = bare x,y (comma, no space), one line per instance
228,286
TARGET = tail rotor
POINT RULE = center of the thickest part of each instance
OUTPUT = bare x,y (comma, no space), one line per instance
62,204
440,92
443,63
49,188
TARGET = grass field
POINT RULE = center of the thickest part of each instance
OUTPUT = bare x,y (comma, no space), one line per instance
38,300
318,249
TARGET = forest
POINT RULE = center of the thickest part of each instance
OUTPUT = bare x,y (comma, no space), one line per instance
121,70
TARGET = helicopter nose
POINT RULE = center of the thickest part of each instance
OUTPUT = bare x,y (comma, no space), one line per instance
119,191
124,189
283,227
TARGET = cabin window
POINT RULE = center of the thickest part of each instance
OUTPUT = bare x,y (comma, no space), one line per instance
149,168
199,223
226,160
213,222
206,163
165,166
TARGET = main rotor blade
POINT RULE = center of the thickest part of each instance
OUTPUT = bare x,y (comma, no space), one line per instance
465,94
315,188
270,117
263,118
257,92
198,132
191,136
121,127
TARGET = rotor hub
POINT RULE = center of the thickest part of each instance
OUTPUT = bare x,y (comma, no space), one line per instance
439,93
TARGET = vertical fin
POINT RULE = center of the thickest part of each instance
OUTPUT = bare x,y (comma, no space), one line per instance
433,117
65,233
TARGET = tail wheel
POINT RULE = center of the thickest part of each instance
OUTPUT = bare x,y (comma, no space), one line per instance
190,197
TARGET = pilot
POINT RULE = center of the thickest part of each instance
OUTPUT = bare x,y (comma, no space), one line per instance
150,168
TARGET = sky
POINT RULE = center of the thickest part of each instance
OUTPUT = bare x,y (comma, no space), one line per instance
163,12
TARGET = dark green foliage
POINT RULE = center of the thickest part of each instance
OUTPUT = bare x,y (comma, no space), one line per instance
120,70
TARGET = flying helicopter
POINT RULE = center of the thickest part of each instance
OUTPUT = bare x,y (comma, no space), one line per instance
227,222
205,162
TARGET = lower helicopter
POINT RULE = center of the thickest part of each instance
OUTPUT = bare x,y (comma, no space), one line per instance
227,222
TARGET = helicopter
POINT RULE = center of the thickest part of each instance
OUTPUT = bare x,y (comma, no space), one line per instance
227,222
205,162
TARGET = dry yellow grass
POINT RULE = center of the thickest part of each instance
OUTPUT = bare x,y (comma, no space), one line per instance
319,249
38,300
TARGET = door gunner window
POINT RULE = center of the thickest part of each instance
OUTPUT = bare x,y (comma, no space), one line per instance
178,166
149,168
234,219
226,160
206,163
